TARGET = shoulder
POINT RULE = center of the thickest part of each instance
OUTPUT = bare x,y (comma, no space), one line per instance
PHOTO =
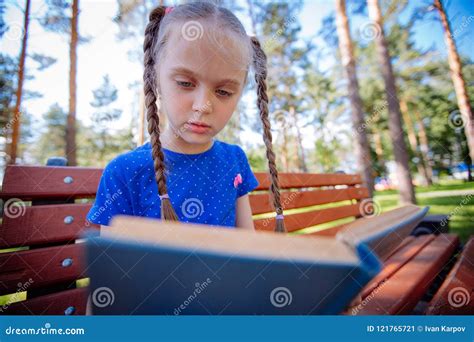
232,151
130,160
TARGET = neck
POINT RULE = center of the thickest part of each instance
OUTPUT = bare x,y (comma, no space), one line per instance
176,143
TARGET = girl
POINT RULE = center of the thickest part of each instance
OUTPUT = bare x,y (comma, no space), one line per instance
196,61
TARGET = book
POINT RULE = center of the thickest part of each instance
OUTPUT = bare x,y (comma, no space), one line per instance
142,266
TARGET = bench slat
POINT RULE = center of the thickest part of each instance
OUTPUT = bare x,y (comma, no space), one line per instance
456,294
44,224
53,304
311,218
405,288
32,182
261,203
394,263
43,266
306,180
29,182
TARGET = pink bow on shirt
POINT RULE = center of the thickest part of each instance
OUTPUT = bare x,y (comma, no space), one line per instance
237,180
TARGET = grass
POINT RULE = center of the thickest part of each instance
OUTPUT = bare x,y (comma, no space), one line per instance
444,185
459,208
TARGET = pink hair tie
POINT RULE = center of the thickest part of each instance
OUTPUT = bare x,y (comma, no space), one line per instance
163,196
168,9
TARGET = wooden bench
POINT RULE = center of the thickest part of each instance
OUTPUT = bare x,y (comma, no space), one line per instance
52,203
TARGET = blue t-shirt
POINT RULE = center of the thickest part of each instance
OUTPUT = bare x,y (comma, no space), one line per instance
203,187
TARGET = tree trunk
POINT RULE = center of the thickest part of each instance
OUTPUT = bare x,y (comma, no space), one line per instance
362,147
71,118
424,147
413,142
19,90
405,184
299,143
458,79
285,159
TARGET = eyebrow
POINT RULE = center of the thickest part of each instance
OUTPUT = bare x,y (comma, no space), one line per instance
183,70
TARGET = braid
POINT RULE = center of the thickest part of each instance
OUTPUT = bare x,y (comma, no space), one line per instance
149,81
260,65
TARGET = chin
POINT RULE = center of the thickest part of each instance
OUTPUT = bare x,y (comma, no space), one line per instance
192,138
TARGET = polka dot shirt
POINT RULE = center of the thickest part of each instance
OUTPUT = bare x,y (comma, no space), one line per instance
203,187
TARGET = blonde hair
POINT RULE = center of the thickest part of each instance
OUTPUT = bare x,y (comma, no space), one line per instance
157,35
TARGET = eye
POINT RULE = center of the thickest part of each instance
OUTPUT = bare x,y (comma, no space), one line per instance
224,93
184,84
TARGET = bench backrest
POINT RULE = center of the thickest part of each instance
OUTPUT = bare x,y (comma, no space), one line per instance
45,209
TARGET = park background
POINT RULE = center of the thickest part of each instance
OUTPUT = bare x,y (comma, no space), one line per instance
79,64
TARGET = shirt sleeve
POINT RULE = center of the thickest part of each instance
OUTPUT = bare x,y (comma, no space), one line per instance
112,197
249,181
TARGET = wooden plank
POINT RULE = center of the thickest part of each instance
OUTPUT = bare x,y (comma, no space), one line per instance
70,302
262,203
383,233
306,180
41,267
303,220
30,182
44,224
396,216
456,294
400,258
408,240
404,289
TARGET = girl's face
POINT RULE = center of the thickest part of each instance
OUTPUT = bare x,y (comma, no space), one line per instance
200,88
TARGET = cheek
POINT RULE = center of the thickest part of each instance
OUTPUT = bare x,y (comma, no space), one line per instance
174,102
232,105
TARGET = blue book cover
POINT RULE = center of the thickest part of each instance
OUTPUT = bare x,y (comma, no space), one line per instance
142,266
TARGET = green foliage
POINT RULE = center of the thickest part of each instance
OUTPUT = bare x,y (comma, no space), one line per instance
8,72
52,139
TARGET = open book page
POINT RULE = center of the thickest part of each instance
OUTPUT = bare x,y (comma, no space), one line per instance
223,240
382,234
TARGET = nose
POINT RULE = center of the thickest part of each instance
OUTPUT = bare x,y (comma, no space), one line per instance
202,102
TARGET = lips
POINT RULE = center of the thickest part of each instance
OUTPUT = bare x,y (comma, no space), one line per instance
198,123
198,127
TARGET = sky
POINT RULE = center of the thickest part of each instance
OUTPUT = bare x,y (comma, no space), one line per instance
104,54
